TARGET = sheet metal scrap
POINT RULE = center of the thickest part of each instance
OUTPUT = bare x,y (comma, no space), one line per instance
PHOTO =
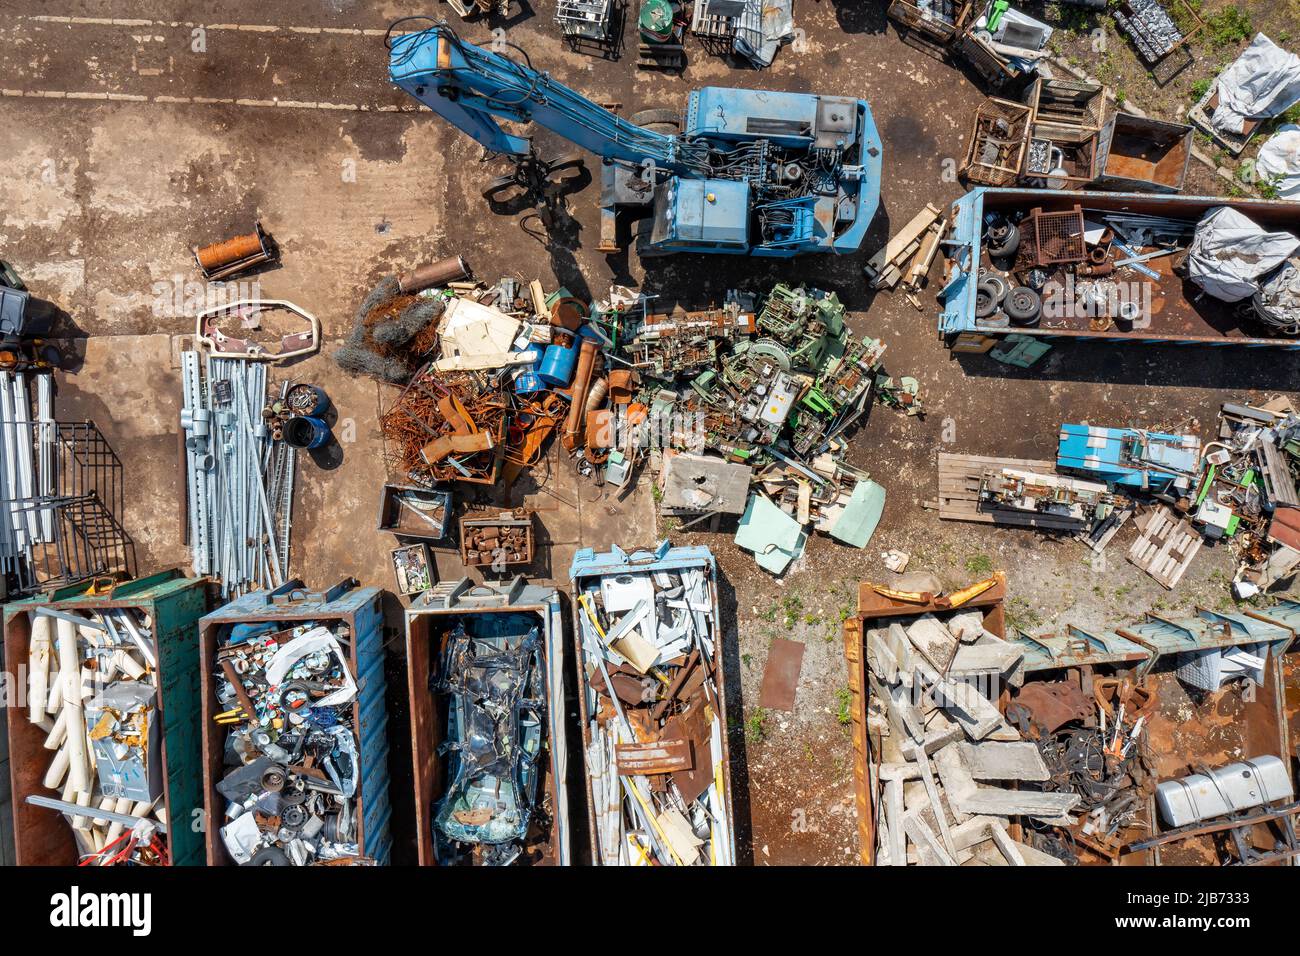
286,697
1246,491
653,706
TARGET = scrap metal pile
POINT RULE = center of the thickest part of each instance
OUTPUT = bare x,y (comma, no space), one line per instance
937,678
656,756
1246,492
291,759
496,389
92,684
1093,744
774,389
491,668
1052,267
773,385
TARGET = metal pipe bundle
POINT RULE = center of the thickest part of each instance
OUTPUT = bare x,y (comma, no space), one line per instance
27,464
239,480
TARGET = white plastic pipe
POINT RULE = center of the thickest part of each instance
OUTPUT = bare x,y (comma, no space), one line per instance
38,668
129,665
108,803
122,805
70,675
60,732
54,777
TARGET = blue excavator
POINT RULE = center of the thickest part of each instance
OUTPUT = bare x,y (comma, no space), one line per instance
746,172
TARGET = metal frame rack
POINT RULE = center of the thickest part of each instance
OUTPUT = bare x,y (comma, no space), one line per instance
67,527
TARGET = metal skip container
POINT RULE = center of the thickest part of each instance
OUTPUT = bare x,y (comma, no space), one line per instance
295,747
133,648
652,701
486,670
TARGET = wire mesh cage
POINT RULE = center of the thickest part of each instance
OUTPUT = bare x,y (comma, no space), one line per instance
584,19
997,144
1051,238
68,530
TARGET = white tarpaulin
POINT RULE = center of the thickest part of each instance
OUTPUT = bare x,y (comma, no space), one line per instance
1229,252
1264,81
1279,162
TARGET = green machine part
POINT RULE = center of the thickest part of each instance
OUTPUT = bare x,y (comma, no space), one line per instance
174,604
656,20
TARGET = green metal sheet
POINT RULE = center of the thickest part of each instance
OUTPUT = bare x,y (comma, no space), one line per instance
861,515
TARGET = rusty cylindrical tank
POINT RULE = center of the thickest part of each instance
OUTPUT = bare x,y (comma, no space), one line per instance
433,274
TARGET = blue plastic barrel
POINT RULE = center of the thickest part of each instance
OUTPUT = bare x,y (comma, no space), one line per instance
303,431
558,363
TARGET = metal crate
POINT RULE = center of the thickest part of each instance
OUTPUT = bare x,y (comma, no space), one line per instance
939,21
290,605
174,603
583,19
1052,238
998,142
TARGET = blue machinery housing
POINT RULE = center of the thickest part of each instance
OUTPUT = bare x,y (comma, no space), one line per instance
751,171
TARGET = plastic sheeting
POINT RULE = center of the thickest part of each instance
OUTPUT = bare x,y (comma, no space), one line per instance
1230,252
1263,82
763,27
1279,162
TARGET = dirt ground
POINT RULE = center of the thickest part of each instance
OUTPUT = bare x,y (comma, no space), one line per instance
133,130
1089,41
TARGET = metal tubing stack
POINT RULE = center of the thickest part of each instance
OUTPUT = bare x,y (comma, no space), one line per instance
239,480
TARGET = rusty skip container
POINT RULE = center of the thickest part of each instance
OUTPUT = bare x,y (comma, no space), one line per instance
535,791
289,606
652,701
172,603
875,610
1169,309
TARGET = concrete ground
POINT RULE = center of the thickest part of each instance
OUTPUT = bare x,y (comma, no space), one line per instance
132,131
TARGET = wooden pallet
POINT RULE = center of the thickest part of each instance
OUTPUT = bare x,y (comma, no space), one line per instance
1166,547
959,493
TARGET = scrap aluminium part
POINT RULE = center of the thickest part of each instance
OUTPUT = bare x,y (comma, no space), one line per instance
293,736
751,171
209,335
239,476
486,669
652,705
110,696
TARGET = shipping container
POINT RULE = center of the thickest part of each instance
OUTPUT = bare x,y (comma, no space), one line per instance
651,618
1176,310
289,606
1185,728
532,825
173,604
